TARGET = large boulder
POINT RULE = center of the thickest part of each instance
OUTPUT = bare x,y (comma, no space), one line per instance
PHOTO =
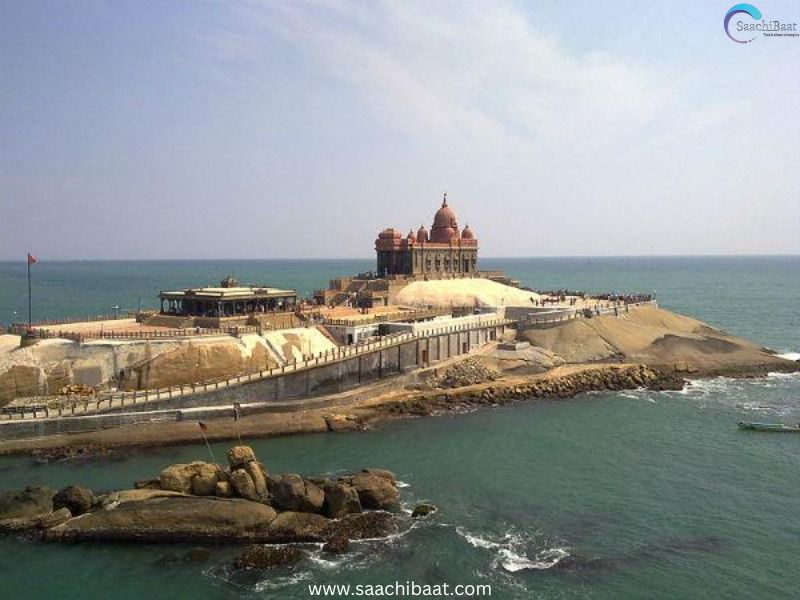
179,478
224,489
205,485
57,517
244,486
238,456
33,501
171,519
295,527
258,474
374,492
423,510
292,492
340,499
264,557
76,498
113,499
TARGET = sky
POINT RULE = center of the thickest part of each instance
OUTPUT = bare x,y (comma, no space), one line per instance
260,129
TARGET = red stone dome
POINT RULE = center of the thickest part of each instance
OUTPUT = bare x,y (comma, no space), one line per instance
411,237
422,234
445,217
467,233
445,225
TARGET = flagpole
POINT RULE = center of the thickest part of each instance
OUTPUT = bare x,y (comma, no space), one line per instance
30,309
205,439
236,407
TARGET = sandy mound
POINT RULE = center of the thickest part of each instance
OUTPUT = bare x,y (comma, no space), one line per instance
652,336
463,292
575,342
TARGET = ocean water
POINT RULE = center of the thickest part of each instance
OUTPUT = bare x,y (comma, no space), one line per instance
626,495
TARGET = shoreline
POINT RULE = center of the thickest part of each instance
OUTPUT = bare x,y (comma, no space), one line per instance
561,383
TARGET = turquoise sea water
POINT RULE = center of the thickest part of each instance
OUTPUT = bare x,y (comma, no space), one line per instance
629,495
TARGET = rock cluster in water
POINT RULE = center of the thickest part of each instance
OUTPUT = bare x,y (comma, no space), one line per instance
204,502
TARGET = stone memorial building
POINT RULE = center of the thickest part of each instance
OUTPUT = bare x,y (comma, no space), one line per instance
443,251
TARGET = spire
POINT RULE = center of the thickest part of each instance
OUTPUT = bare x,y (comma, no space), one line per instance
444,200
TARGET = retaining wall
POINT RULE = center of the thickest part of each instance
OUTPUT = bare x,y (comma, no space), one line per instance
348,373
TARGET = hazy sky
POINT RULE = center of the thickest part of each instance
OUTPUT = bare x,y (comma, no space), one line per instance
171,129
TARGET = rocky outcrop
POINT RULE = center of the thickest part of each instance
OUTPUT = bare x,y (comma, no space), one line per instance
172,519
243,486
239,456
292,492
198,478
292,527
33,501
340,499
202,502
76,498
248,477
342,423
423,510
374,492
363,526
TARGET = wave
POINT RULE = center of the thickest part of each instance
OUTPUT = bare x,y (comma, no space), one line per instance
546,559
511,551
790,355
476,541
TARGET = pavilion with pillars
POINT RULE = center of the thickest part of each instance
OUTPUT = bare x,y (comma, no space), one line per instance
228,300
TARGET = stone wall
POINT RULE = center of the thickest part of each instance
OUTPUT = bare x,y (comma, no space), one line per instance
346,374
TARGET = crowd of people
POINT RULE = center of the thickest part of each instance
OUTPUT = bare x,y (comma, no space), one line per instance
571,298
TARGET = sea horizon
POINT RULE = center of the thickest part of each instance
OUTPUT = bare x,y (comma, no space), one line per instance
370,257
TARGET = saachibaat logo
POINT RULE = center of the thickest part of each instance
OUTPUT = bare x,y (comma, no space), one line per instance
755,24
747,9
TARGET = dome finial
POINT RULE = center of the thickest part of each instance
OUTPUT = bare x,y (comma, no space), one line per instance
444,200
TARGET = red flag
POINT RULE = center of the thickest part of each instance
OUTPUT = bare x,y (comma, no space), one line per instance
31,258
203,426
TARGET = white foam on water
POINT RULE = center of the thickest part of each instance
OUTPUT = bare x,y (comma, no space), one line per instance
546,559
403,484
323,562
790,355
783,376
511,552
276,583
475,540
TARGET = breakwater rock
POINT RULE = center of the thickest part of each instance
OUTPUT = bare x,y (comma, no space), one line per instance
558,384
200,502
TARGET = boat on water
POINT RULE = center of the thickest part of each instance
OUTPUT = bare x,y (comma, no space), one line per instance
779,427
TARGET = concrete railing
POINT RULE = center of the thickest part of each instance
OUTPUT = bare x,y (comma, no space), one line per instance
368,319
609,308
80,337
105,401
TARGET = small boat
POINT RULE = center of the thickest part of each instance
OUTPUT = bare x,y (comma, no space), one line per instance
780,427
